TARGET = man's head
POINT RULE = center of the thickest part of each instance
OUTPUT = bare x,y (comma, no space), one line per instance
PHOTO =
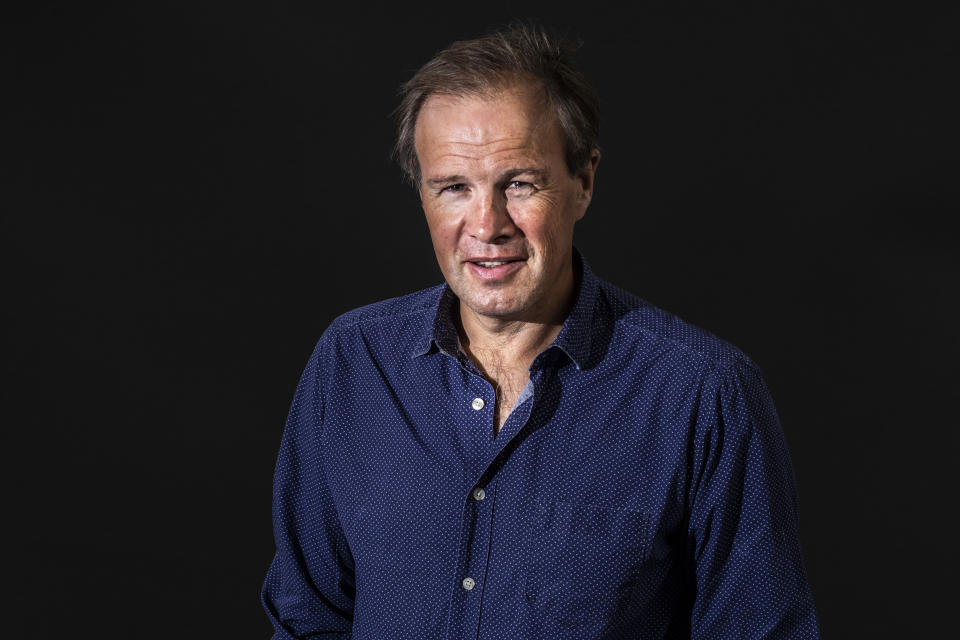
504,162
481,66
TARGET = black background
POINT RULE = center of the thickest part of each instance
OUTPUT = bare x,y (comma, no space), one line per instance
192,191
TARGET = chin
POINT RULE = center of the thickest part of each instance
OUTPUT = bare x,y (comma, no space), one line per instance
494,308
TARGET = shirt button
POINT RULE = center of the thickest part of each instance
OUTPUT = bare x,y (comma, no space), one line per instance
468,583
477,403
479,494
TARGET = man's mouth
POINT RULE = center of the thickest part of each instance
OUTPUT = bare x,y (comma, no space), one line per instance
493,270
490,263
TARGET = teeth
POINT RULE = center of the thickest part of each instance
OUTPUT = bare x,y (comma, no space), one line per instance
491,264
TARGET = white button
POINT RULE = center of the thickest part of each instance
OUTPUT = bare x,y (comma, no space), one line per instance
468,583
477,403
479,494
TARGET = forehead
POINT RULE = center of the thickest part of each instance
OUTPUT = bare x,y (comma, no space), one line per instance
513,119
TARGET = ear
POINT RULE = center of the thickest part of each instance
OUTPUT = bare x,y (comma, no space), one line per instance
585,182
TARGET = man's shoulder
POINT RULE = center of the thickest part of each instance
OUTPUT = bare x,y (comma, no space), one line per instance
402,313
637,319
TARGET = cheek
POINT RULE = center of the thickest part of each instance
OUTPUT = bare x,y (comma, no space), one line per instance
443,232
545,226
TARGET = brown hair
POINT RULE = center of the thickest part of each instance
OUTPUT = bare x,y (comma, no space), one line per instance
478,67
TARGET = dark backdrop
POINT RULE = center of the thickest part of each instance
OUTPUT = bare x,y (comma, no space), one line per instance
193,190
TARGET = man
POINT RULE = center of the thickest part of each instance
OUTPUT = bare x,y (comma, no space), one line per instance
526,451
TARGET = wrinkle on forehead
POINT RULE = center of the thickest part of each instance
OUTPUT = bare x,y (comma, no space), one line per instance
487,128
474,151
485,156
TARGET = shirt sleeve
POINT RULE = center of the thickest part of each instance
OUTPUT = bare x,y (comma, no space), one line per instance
309,588
743,534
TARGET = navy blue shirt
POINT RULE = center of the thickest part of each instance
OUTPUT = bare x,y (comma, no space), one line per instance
640,488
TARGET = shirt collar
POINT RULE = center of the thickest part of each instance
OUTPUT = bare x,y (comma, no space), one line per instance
574,339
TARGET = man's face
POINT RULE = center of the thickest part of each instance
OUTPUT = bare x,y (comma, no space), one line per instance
500,201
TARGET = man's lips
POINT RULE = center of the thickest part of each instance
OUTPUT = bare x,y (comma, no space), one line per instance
493,268
493,261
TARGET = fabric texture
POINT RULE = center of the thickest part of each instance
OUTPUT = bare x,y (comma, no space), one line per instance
641,487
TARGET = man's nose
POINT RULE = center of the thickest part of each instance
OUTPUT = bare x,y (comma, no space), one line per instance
489,220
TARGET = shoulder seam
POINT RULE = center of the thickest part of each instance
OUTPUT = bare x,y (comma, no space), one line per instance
361,314
376,317
715,363
720,365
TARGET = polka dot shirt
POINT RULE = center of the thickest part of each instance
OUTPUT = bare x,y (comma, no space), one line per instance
640,488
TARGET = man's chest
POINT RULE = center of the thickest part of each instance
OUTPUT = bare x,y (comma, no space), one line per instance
558,514
555,518
406,452
508,387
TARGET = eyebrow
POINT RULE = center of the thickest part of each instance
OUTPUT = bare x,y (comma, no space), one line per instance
539,174
445,180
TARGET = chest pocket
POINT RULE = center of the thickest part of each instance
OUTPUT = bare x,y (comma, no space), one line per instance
583,559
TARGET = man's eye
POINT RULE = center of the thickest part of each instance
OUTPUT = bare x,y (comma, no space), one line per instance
519,188
454,188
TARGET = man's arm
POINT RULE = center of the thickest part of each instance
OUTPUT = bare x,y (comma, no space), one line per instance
743,533
309,588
